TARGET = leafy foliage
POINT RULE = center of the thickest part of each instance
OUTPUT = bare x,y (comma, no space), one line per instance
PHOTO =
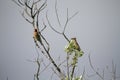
74,50
72,47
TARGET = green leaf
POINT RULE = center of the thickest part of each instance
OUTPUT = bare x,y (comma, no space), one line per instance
79,53
69,48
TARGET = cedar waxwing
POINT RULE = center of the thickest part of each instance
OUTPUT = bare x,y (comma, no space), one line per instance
76,45
36,36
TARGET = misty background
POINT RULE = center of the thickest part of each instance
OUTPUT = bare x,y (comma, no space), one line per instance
96,27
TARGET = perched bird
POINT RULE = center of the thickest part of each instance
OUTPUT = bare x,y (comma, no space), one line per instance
75,44
36,36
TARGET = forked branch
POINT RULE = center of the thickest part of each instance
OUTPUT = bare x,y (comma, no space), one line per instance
65,25
61,33
94,69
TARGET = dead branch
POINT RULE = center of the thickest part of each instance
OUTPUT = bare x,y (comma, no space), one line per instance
17,3
23,14
31,10
31,15
44,27
63,32
72,73
64,27
68,72
46,66
57,13
97,73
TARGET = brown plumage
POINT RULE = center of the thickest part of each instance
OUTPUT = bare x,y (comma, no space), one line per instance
36,36
77,47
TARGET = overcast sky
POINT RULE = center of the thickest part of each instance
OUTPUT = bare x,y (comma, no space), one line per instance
96,27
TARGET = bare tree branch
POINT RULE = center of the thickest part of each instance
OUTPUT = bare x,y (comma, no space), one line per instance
94,69
48,48
68,67
66,22
16,3
26,18
26,10
54,71
51,25
20,2
57,13
43,27
73,16
68,19
45,68
26,4
65,37
38,69
61,33
31,14
51,59
42,51
41,8
37,1
72,73
62,62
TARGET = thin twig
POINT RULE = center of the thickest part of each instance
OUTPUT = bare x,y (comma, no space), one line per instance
26,18
43,27
68,67
72,73
62,62
51,59
68,19
17,3
38,69
94,69
66,22
57,13
73,15
55,72
20,3
41,8
38,12
26,10
65,37
51,25
39,47
49,56
26,4
48,48
45,68
37,2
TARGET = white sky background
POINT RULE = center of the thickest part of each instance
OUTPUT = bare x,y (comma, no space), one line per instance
96,26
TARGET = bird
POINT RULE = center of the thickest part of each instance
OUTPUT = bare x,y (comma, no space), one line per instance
36,36
75,43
